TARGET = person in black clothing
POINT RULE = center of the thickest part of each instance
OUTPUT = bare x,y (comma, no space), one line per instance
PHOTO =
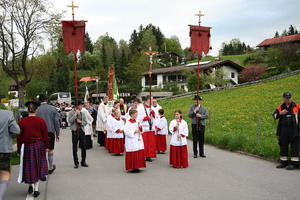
197,113
288,131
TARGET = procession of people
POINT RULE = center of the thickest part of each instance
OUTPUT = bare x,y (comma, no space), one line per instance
138,131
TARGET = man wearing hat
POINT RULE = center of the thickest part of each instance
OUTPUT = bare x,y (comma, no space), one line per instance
51,117
77,121
288,131
198,114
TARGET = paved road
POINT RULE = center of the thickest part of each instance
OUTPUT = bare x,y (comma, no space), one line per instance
222,175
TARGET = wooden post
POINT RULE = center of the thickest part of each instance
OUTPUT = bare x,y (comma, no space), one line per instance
258,130
210,121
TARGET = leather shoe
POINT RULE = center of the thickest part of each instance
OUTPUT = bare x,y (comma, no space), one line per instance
281,165
84,164
195,156
36,193
149,159
291,167
30,190
51,171
202,156
76,166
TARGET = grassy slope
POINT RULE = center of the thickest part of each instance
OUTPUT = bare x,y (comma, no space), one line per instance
235,113
239,59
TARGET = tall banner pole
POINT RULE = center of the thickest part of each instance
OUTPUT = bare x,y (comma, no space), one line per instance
75,78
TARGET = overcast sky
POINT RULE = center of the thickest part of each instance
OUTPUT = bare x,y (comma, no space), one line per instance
251,21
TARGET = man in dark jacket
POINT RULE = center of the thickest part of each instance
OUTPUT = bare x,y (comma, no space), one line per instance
51,117
198,114
288,131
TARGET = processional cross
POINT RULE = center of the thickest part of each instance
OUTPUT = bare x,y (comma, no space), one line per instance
199,15
73,6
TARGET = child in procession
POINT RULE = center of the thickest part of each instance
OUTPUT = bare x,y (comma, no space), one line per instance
134,144
178,145
116,126
161,128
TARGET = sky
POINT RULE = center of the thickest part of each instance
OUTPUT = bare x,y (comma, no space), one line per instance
251,21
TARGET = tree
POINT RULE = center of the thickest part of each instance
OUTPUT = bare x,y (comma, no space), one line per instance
88,45
217,78
276,34
34,88
234,47
284,33
22,26
252,73
148,39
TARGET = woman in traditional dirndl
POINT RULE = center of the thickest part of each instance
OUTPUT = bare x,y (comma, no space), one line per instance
178,145
33,144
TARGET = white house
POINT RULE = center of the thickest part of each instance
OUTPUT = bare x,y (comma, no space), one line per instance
175,74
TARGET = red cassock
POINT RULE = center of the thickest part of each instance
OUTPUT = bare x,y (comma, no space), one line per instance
135,160
161,143
200,39
150,144
179,156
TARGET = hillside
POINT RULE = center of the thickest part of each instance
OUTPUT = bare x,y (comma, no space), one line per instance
239,59
235,113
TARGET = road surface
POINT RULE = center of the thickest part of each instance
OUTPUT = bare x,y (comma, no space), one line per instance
222,175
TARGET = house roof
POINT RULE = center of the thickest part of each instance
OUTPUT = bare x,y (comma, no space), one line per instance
203,66
279,40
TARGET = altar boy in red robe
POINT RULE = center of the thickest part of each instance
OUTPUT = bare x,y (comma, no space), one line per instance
146,116
178,144
161,127
134,144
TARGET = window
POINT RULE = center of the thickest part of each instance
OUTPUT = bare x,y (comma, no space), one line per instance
154,79
232,75
172,78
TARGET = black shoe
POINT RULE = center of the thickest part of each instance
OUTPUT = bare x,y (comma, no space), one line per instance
149,159
291,167
158,152
195,156
43,179
202,156
84,164
135,171
95,135
51,171
36,193
30,190
76,166
281,165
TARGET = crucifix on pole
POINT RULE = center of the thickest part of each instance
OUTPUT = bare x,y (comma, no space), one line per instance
150,53
199,15
73,6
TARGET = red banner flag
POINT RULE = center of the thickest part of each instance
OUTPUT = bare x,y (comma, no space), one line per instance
200,39
73,36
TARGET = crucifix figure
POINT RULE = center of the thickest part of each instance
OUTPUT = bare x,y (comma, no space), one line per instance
73,6
150,53
199,15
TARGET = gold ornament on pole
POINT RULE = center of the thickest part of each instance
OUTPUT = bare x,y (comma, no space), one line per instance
73,6
199,15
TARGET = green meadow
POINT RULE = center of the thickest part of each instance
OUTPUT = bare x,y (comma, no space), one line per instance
235,112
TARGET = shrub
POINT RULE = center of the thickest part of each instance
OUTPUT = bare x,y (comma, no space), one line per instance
252,73
2,106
